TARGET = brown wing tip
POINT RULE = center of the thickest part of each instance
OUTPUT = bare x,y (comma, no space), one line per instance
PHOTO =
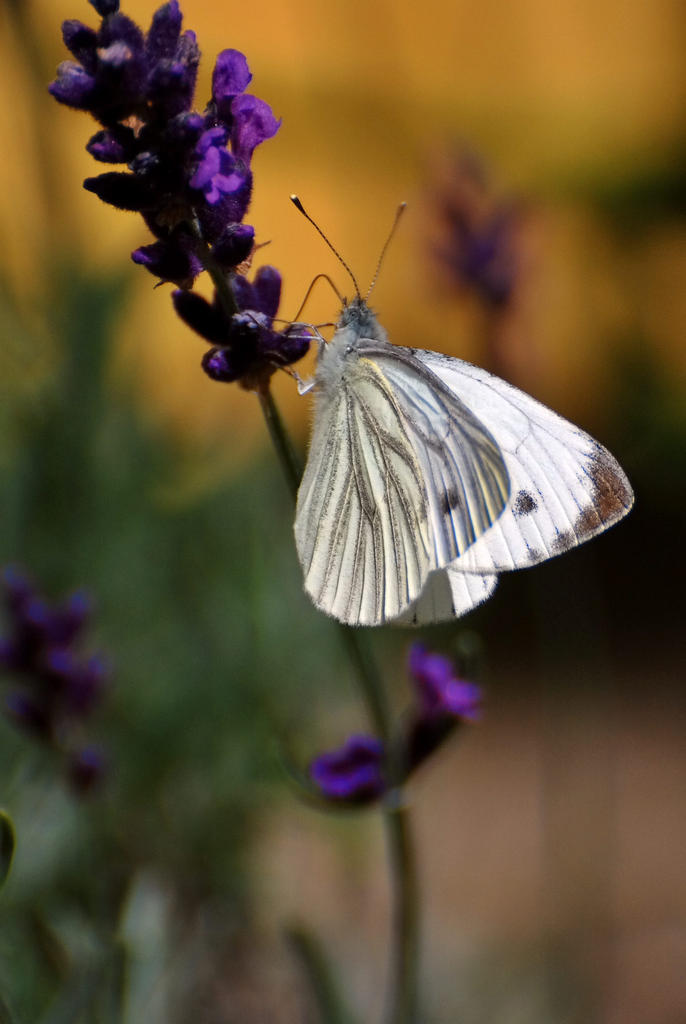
612,495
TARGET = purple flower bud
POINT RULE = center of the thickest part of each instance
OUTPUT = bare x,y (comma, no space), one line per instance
170,87
294,343
121,30
125,191
114,146
219,365
82,42
234,245
163,35
172,259
267,291
73,86
105,7
206,318
353,774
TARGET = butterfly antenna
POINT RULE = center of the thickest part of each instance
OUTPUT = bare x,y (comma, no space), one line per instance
398,214
299,206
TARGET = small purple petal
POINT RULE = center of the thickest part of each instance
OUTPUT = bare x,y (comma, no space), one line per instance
254,123
230,77
217,174
439,689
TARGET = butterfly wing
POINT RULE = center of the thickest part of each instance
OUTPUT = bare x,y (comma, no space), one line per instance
565,487
448,594
401,478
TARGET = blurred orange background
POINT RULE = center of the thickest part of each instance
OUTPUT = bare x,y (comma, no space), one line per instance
560,100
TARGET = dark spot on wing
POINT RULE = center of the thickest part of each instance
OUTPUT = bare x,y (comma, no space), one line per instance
450,499
611,497
524,504
563,542
535,556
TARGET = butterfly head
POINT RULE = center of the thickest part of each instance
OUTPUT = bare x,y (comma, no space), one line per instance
358,320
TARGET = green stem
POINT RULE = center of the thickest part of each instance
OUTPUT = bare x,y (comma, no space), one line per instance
404,980
405,930
279,438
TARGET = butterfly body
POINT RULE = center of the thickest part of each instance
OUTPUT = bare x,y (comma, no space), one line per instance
427,476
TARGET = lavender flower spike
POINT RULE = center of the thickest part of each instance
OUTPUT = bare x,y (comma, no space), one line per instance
188,174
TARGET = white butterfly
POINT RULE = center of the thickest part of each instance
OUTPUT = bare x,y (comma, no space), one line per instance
427,476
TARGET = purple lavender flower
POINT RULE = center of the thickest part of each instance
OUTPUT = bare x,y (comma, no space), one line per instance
188,174
443,700
56,687
353,774
246,346
440,691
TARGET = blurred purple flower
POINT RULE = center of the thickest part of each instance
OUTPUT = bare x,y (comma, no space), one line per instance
480,247
56,688
443,700
439,689
353,774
